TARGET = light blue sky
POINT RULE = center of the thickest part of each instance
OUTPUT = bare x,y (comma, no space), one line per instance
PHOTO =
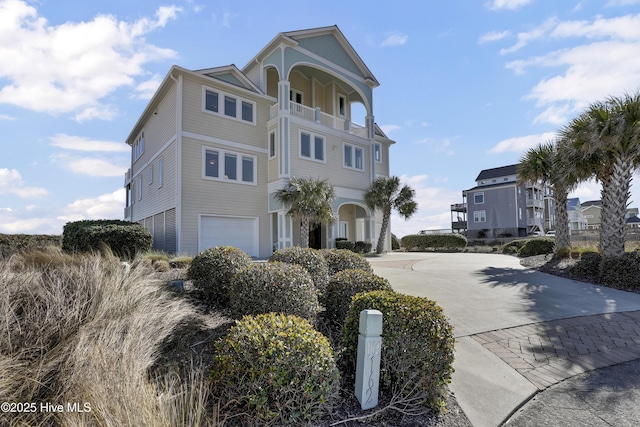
465,85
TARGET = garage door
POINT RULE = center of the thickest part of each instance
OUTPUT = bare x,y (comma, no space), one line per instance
229,231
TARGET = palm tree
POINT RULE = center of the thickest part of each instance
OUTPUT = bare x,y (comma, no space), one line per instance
606,139
311,199
386,194
547,163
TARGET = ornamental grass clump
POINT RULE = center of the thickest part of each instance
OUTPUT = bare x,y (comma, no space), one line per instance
212,270
417,348
274,369
310,259
344,259
274,286
343,286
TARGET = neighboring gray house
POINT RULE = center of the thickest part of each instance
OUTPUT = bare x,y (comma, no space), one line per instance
500,207
214,145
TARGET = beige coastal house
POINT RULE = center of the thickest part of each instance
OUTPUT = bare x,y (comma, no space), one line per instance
214,145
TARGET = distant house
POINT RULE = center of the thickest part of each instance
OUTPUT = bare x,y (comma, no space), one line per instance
500,207
592,212
577,220
213,146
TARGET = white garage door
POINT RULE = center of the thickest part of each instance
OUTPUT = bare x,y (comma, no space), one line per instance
229,231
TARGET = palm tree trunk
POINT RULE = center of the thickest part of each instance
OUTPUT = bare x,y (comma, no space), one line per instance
562,220
386,215
614,207
304,232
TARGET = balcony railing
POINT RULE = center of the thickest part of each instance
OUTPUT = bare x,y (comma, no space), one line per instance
459,225
127,177
535,203
459,207
127,213
317,116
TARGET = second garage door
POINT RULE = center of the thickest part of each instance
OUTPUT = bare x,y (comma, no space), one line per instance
240,232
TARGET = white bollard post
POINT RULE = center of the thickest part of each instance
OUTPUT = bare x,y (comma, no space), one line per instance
368,358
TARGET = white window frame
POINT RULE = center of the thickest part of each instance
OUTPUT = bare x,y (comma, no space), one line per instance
140,187
344,225
480,216
475,201
293,95
221,105
160,165
273,144
138,146
150,174
377,152
353,157
239,166
312,142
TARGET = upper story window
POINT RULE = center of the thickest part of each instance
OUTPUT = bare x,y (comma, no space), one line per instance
272,145
311,146
138,146
377,152
296,96
353,157
229,166
478,198
342,105
227,105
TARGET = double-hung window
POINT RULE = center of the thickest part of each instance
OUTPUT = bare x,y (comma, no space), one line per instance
311,146
353,157
480,216
228,105
377,152
229,166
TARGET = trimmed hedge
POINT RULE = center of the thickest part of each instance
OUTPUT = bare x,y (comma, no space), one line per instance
125,239
417,346
430,242
274,369
344,285
311,260
359,247
274,286
537,246
212,270
513,247
342,259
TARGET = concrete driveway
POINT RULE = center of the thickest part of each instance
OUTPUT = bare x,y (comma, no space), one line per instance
480,293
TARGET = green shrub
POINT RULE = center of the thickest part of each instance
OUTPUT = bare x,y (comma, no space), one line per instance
274,286
125,239
212,270
574,253
344,285
342,259
395,243
274,369
565,252
513,246
588,267
417,346
537,246
423,242
346,245
14,243
309,259
621,272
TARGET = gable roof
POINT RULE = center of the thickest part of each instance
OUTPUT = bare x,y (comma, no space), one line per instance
498,172
295,38
592,203
573,203
229,74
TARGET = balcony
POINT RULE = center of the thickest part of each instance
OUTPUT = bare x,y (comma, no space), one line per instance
535,222
459,225
535,203
127,213
127,177
317,116
459,207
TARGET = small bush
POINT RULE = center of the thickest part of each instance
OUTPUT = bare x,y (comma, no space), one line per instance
574,253
564,252
395,243
423,242
345,244
344,285
342,259
417,346
588,267
309,259
212,270
124,239
275,369
537,246
514,246
274,286
621,272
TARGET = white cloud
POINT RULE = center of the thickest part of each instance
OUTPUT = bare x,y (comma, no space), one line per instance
622,2
79,143
395,39
85,61
11,183
387,129
147,89
507,4
10,224
105,206
493,36
440,145
521,143
525,37
6,117
91,166
224,21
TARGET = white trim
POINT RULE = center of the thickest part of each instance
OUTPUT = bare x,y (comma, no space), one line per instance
239,168
477,217
160,171
226,143
478,193
344,106
221,105
379,150
353,157
275,144
312,146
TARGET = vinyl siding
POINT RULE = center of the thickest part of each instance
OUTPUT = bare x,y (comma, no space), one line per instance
332,169
327,46
156,199
202,196
383,168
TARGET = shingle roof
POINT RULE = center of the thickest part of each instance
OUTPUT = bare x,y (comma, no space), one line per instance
498,172
591,203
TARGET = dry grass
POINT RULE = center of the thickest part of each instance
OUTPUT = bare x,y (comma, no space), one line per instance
85,329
